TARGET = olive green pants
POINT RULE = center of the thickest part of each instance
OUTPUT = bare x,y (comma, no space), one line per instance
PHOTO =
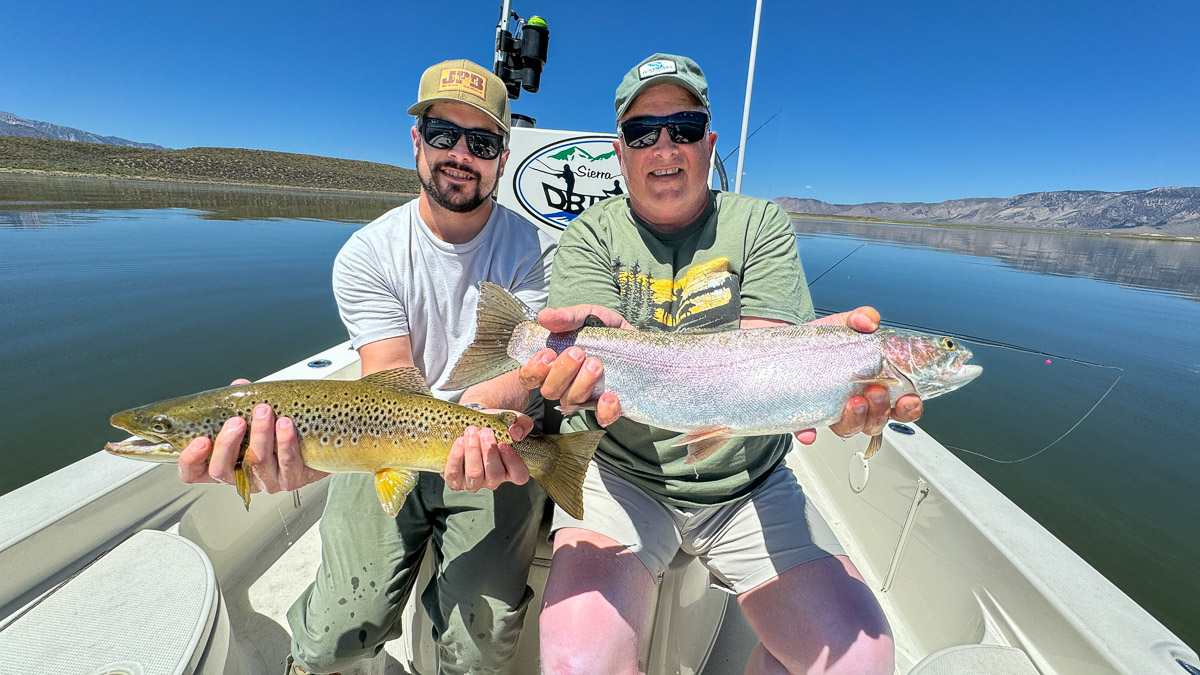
483,544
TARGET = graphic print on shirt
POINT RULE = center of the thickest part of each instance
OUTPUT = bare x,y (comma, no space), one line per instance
708,296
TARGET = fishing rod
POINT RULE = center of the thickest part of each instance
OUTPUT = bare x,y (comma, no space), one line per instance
975,339
546,170
726,157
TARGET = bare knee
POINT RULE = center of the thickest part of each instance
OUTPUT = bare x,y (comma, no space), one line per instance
585,634
819,617
854,643
596,607
866,656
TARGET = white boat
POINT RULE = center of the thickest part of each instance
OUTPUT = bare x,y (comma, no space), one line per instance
112,566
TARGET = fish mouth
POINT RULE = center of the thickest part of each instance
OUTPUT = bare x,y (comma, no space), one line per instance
947,381
144,449
964,374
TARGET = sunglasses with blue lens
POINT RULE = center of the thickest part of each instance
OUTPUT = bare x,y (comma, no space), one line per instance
687,126
444,135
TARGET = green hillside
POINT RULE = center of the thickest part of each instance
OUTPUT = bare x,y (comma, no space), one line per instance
205,165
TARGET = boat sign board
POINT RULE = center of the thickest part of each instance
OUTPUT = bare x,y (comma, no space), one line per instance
552,176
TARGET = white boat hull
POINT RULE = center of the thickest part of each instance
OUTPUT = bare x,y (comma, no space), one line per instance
973,569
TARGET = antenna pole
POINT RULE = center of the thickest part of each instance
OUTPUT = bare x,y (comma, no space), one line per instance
505,13
737,183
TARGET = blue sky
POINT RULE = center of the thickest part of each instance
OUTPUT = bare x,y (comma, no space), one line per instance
877,101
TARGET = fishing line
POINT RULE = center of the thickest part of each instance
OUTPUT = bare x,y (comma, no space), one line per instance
731,152
836,264
284,520
552,173
1016,348
1064,435
990,343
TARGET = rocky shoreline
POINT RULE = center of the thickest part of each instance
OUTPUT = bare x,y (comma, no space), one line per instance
1164,211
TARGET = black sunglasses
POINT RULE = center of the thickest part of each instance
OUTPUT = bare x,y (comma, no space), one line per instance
687,126
444,135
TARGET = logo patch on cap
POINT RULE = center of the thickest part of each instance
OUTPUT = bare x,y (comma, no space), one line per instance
457,79
653,68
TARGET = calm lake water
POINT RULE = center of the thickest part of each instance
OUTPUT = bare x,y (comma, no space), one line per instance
117,293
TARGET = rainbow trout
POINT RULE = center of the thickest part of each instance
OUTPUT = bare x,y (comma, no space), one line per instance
713,385
387,424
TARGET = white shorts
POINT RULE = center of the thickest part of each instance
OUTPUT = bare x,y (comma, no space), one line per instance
743,544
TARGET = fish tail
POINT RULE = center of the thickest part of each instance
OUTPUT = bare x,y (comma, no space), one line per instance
873,446
487,357
560,470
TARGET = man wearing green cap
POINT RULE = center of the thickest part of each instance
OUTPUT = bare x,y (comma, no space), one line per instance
673,254
407,287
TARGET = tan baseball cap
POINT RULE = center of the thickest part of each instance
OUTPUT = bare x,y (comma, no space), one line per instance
465,82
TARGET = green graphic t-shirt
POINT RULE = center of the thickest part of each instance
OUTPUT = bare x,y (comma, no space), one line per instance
738,259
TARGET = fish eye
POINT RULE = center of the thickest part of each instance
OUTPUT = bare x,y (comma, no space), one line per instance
948,344
160,424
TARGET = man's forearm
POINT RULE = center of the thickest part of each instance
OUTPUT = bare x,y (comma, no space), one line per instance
504,393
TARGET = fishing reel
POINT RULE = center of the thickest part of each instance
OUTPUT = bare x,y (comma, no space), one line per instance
520,59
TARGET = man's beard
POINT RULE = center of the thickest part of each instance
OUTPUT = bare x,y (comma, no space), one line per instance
455,198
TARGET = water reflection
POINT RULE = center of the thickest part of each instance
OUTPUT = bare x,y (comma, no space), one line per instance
1163,266
24,201
146,304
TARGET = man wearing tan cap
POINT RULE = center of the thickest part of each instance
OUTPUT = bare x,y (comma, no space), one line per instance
407,288
673,254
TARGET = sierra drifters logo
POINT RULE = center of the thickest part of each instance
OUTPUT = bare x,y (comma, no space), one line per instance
557,182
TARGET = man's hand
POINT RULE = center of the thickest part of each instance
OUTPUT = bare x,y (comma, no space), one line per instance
570,378
273,459
477,461
870,412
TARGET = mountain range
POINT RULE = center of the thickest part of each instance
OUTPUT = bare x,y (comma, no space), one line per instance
11,125
1169,211
1173,211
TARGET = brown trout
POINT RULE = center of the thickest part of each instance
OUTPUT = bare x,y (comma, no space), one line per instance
714,385
387,424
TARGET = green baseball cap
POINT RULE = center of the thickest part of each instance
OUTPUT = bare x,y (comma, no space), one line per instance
465,82
661,69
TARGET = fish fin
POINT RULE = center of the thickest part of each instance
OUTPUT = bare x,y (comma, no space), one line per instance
593,321
873,446
241,481
560,468
393,486
568,409
883,380
703,329
702,444
699,435
407,379
498,316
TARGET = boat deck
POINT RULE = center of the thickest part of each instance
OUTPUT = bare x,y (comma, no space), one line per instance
258,606
970,577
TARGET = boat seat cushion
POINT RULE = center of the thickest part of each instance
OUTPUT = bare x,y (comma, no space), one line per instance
975,660
147,606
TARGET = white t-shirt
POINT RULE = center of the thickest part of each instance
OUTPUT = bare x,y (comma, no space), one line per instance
394,277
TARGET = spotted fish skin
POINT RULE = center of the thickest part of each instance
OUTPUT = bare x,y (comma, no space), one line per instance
385,422
343,426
